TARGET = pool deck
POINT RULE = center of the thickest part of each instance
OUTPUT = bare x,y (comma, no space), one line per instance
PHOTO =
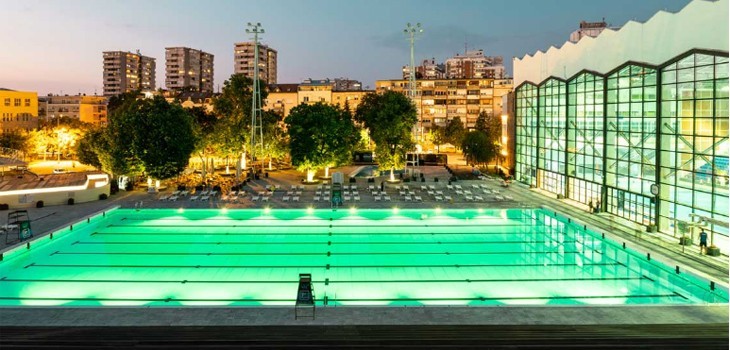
692,323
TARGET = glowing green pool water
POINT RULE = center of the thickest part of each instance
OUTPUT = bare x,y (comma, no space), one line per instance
364,257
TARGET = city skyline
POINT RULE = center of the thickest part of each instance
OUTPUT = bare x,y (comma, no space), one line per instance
59,50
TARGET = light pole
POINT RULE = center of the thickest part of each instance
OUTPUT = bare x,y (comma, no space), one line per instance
256,116
411,33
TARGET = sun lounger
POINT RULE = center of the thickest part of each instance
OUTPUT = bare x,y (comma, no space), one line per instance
499,198
448,198
298,193
289,193
255,198
431,187
377,198
408,198
459,192
438,198
402,193
397,188
285,199
371,187
316,198
469,198
265,199
478,198
204,198
295,199
163,198
458,187
417,199
449,187
487,191
175,193
356,198
194,198
509,198
173,198
440,193
382,193
346,198
423,187
430,193
386,198
375,193
184,193
474,186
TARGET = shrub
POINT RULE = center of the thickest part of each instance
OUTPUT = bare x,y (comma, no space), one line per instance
4,206
70,201
103,196
38,204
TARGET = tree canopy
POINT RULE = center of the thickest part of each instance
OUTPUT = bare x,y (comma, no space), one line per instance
390,118
478,148
455,131
320,135
438,137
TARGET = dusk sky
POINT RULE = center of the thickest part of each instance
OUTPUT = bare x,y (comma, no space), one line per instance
53,46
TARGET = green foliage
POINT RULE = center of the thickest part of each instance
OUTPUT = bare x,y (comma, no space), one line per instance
389,117
478,148
275,143
455,131
438,137
118,103
87,148
490,125
320,135
163,138
17,140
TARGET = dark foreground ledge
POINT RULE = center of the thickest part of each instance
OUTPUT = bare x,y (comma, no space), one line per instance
560,327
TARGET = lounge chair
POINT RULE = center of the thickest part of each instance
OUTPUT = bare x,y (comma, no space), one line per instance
255,198
265,198
402,193
509,198
440,193
194,198
432,187
163,198
475,186
468,198
295,199
386,198
316,198
418,199
408,198
438,198
499,198
289,193
173,198
356,198
285,198
371,187
377,198
430,193
478,198
458,187
298,193
423,187
448,198
487,191
397,188
346,198
449,187
459,192
204,198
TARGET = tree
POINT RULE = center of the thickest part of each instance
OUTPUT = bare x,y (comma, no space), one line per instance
389,117
16,140
320,135
163,138
87,148
478,148
204,125
275,139
492,127
438,137
455,131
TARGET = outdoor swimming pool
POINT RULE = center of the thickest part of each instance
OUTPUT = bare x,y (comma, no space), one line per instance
249,257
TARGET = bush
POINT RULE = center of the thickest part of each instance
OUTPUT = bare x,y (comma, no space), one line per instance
4,206
114,187
130,186
39,204
70,201
103,196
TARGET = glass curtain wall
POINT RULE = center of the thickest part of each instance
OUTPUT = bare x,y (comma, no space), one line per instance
631,143
551,133
585,138
694,142
526,134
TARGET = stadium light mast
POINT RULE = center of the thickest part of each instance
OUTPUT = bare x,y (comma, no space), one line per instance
256,107
412,31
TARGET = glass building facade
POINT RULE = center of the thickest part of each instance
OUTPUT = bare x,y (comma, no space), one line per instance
617,138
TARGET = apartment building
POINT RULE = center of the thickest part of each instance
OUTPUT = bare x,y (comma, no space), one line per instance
243,61
475,65
188,69
428,69
441,100
126,71
591,29
342,92
19,110
87,109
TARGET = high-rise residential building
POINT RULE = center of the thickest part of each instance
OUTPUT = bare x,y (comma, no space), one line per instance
474,65
636,121
188,69
126,71
243,61
87,109
440,100
345,84
591,29
19,110
428,69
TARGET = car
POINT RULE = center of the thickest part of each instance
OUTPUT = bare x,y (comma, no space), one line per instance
60,171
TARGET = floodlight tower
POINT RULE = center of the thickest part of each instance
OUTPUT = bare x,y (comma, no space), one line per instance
411,32
257,130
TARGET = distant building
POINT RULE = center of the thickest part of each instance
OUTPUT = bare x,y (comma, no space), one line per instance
428,69
188,69
441,100
283,97
344,84
243,61
19,110
591,29
190,99
474,65
126,71
87,109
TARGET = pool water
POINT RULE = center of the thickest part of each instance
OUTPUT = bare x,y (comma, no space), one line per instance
168,257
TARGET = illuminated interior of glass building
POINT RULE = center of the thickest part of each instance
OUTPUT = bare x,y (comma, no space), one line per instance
647,143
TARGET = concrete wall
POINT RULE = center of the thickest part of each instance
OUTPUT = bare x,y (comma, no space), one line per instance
58,195
701,24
